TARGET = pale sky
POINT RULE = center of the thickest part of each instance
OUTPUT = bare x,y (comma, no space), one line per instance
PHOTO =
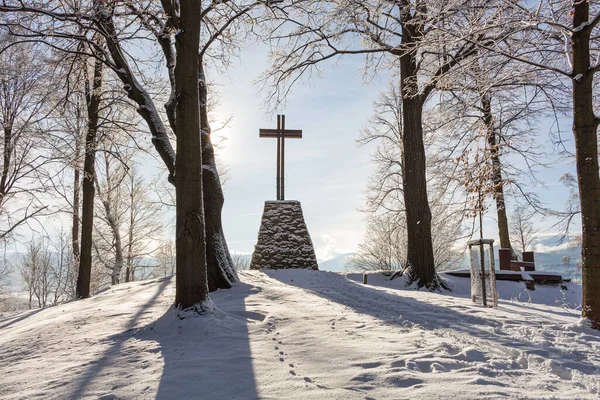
325,170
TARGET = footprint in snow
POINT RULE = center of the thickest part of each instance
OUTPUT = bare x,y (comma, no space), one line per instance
448,349
368,365
437,367
401,381
366,377
413,366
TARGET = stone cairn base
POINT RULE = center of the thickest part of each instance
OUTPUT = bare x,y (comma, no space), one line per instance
283,240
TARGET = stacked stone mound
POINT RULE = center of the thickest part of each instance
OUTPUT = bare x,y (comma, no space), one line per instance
283,240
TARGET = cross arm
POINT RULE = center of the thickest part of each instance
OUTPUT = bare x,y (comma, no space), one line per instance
285,133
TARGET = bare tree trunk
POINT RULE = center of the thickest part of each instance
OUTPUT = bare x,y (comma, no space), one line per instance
219,264
7,154
414,180
113,223
76,191
585,125
161,142
498,193
418,214
75,218
116,272
129,271
191,278
129,266
93,92
419,255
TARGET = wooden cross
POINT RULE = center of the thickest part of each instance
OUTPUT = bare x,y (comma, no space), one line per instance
280,133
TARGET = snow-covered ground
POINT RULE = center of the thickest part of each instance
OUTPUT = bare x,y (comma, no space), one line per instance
297,334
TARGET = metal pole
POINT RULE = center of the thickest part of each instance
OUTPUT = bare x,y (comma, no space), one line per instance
278,158
282,159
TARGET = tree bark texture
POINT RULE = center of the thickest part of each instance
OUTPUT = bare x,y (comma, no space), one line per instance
414,179
191,279
498,193
93,92
418,214
219,264
585,125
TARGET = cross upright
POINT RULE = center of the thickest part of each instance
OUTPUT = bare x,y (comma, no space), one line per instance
280,134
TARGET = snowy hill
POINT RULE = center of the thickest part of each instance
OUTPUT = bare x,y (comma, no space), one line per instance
296,334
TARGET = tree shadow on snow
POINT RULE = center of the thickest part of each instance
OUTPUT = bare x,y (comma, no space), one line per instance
408,312
207,357
10,320
202,357
114,353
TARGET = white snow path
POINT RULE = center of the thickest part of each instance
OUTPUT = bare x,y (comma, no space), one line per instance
297,334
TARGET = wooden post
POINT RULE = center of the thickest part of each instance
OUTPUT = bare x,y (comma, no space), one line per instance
482,260
493,290
530,285
504,256
365,278
472,270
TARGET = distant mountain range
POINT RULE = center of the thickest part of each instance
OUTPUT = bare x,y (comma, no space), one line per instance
336,264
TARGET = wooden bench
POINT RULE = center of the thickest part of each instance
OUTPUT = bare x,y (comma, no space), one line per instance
538,277
508,264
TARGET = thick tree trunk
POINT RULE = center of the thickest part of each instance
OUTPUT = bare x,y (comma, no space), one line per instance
191,279
93,92
498,193
219,263
418,214
585,125
161,142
